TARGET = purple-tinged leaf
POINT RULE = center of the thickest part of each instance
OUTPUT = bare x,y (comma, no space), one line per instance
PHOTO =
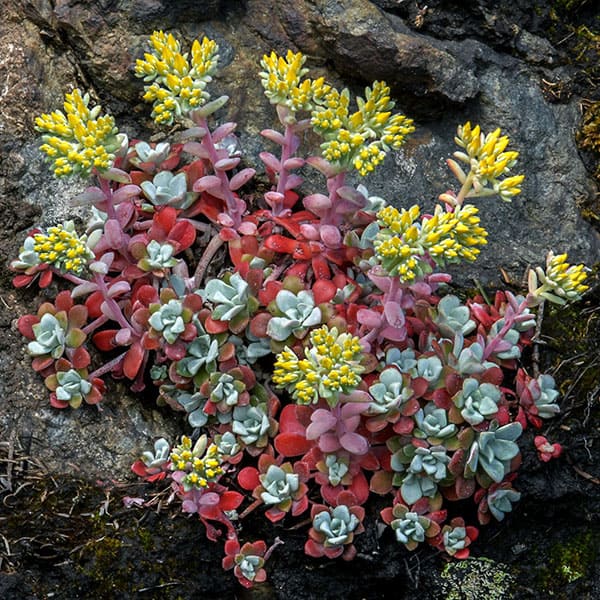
247,228
196,149
226,164
123,337
91,195
83,289
293,181
241,178
394,314
329,442
117,175
352,195
189,506
208,183
369,318
126,193
223,131
354,443
192,133
293,163
271,162
331,236
317,203
321,165
274,199
113,233
310,232
394,334
321,421
274,136
118,288
354,409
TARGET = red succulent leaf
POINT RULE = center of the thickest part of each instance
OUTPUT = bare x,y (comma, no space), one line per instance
45,279
381,482
230,500
105,340
25,324
20,281
133,360
248,478
292,444
324,290
162,223
295,418
311,548
280,243
80,358
319,264
182,234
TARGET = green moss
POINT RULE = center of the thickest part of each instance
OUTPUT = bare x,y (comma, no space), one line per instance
569,5
477,579
569,562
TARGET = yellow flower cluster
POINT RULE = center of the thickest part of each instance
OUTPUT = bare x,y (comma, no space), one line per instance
282,80
488,160
331,367
62,248
80,139
361,139
398,247
178,86
560,282
404,244
202,470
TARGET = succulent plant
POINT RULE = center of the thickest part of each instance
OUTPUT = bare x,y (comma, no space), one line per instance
405,360
332,529
279,485
432,424
157,256
225,389
50,337
72,387
477,401
430,368
337,525
201,353
470,360
389,392
299,313
251,424
545,401
247,562
168,320
250,348
456,537
452,317
494,450
230,296
419,470
193,403
227,444
148,154
500,502
337,468
160,456
509,347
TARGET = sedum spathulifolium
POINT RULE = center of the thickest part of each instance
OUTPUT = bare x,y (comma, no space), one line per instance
302,330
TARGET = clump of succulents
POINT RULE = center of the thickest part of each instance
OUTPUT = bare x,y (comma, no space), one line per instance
326,362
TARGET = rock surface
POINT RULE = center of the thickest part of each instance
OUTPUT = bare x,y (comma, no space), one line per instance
491,67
